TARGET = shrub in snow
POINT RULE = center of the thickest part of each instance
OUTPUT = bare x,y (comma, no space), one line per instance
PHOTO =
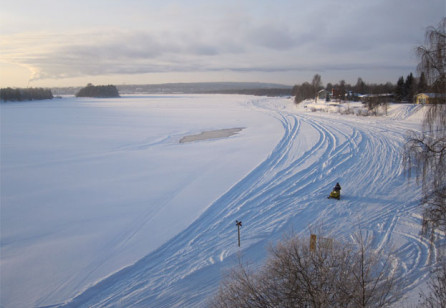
296,275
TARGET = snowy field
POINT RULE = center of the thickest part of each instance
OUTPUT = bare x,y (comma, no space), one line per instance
102,206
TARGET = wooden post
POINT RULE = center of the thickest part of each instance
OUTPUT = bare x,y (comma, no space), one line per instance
238,224
313,239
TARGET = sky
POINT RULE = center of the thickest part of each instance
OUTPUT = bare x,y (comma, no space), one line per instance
52,43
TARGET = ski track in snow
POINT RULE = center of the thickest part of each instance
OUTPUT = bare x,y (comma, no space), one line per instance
285,192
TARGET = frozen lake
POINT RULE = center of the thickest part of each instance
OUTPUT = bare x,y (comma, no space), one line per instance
92,185
100,201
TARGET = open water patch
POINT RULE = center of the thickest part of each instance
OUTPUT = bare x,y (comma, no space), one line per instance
212,134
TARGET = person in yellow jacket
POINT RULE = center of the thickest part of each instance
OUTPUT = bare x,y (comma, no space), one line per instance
336,193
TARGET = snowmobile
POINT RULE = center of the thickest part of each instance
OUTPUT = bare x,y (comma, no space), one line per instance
336,193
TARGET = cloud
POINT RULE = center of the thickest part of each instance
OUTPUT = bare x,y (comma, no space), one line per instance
228,36
123,52
105,53
272,37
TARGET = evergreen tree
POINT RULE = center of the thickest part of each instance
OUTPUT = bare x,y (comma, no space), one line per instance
400,90
410,87
360,86
422,84
342,89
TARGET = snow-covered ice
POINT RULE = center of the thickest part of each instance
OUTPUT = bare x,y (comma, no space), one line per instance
101,205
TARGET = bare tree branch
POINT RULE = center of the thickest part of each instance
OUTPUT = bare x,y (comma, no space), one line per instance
296,276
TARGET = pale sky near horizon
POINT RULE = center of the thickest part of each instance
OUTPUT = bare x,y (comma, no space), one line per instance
49,43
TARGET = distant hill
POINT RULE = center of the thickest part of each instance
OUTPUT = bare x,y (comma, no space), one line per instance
252,88
205,87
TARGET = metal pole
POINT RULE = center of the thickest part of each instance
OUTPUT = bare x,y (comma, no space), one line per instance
239,224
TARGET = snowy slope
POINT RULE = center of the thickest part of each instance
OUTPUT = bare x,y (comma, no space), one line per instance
274,176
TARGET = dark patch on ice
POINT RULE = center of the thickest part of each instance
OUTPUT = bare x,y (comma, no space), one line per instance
212,134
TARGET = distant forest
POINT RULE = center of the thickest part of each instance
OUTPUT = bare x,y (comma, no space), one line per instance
98,91
24,94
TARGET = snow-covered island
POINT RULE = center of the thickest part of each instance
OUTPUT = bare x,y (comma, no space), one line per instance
90,90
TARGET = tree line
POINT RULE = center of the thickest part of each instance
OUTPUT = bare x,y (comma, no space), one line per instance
403,91
24,94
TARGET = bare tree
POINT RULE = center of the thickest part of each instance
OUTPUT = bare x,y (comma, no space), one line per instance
433,59
437,287
296,275
303,92
374,281
242,288
433,65
316,83
425,152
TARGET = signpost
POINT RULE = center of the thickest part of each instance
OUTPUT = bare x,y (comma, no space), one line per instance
238,224
321,242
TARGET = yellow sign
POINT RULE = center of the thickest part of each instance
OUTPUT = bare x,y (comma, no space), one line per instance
313,239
